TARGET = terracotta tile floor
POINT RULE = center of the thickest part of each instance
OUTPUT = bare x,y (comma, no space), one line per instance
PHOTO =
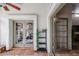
67,53
30,52
24,52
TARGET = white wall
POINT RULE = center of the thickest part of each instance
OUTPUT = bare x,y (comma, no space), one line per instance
4,32
40,9
11,34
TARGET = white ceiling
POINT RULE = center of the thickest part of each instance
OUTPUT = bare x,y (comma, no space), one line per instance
26,7
39,9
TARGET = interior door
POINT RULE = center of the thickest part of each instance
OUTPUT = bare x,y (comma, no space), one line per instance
28,34
19,31
62,33
23,33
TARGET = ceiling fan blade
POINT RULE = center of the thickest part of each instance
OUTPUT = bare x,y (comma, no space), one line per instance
16,7
6,8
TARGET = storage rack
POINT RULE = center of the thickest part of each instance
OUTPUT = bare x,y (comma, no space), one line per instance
42,40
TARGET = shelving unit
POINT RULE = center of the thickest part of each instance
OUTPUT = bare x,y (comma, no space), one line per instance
42,40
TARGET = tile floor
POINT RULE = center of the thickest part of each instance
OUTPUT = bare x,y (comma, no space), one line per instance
31,52
67,53
24,52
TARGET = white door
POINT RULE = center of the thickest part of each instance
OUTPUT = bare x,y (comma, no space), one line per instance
23,33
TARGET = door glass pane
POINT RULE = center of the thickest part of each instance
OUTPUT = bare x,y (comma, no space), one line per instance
29,33
19,33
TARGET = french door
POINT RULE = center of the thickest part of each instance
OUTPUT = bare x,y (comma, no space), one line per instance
62,33
23,33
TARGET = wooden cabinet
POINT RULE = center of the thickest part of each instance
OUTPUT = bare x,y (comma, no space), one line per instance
2,49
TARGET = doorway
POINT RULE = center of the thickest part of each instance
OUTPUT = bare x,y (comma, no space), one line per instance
23,33
61,34
75,27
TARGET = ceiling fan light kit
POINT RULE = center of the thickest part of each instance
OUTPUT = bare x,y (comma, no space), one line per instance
5,7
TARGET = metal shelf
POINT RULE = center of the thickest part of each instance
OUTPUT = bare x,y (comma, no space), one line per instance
42,42
42,35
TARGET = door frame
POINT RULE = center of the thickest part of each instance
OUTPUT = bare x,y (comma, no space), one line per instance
26,17
50,20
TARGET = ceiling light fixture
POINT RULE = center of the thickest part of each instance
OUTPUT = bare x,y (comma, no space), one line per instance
75,15
4,5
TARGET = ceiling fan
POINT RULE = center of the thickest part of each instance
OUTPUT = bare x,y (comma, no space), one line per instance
5,7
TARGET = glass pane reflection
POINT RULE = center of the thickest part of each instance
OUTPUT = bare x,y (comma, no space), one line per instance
29,33
19,33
